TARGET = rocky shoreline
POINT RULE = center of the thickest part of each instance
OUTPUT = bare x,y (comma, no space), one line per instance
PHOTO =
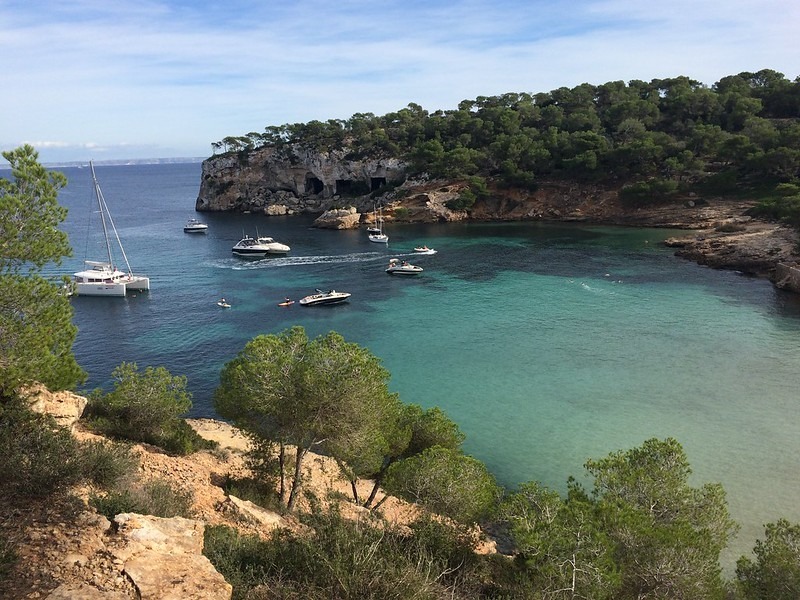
344,191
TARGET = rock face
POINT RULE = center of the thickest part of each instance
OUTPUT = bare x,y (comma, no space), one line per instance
65,407
338,218
290,180
163,558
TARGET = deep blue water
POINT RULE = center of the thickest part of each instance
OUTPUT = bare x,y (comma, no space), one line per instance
548,343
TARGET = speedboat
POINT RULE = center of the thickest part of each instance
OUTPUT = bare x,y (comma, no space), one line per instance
323,298
397,267
259,246
195,226
424,250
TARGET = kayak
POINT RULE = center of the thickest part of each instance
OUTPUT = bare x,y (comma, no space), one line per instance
286,303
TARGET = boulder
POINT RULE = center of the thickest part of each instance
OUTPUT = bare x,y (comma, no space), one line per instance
338,218
65,407
163,558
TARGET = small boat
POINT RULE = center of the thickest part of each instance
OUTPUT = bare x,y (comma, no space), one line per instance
377,234
223,303
372,229
398,267
424,250
286,302
195,226
324,298
103,278
258,246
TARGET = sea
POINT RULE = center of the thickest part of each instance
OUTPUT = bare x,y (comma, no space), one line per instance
548,343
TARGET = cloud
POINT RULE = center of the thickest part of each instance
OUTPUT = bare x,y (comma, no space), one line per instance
178,75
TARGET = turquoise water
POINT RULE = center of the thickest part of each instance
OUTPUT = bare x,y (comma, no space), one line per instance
548,344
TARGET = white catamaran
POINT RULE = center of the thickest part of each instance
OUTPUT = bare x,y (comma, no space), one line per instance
103,278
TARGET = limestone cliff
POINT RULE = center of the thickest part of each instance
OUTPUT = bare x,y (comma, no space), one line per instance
291,180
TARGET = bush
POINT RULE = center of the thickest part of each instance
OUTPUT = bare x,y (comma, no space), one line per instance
107,463
341,559
146,407
156,497
652,191
38,458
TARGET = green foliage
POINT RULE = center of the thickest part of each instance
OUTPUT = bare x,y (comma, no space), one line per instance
146,407
668,535
446,482
774,572
676,129
36,330
345,560
107,464
563,549
475,189
324,393
652,191
38,458
155,497
783,205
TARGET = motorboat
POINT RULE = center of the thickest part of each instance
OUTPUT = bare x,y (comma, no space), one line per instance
424,250
258,246
398,267
195,226
324,298
104,278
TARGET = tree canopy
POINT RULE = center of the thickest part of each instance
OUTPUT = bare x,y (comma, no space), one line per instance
324,393
36,330
675,129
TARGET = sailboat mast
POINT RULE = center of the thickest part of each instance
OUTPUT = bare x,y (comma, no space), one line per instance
101,207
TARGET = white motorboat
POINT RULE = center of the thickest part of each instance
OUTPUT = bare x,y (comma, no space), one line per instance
258,246
324,298
103,278
377,234
398,267
424,250
195,226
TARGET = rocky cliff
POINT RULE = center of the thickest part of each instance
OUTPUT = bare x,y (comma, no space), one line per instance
291,180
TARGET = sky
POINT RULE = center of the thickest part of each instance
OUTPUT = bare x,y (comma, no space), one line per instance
113,79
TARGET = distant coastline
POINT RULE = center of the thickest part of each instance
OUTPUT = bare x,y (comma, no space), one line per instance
120,162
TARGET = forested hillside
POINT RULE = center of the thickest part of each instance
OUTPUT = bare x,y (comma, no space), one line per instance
656,138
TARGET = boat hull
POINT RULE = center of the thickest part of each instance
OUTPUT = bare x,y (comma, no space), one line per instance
113,288
324,299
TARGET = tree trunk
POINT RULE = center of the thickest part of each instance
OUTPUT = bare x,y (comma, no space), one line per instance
282,463
298,479
378,480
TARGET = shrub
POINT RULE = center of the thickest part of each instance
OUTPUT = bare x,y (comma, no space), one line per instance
342,559
156,497
107,463
652,191
146,407
37,456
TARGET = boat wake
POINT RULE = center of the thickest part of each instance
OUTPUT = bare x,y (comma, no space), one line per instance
270,262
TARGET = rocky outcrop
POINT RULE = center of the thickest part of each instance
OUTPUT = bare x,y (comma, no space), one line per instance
164,559
65,407
752,247
338,218
291,180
